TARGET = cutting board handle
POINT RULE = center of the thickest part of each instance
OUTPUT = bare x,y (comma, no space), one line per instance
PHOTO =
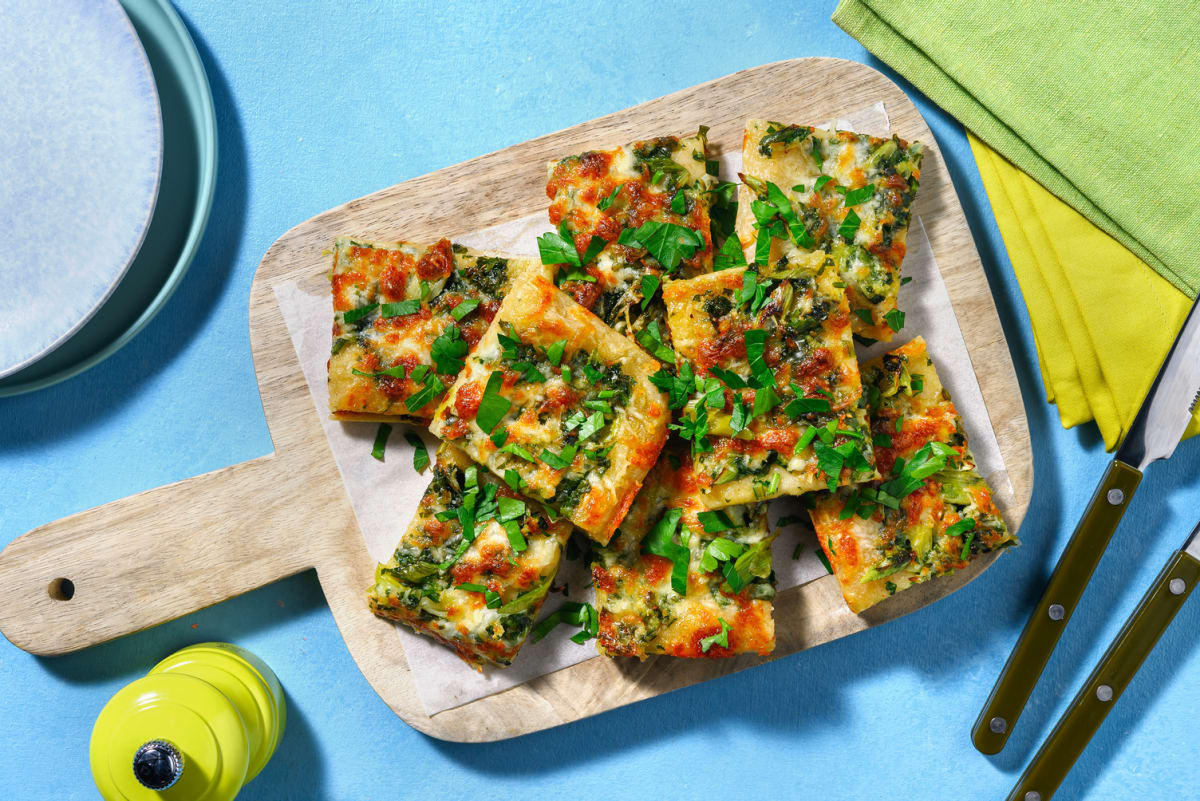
151,557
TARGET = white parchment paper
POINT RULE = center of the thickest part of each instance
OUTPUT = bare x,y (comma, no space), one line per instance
385,494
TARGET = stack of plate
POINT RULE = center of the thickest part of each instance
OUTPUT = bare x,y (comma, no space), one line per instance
107,168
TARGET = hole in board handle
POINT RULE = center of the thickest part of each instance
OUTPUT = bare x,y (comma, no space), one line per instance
61,589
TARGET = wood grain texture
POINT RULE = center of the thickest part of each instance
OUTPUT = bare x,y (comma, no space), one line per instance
163,553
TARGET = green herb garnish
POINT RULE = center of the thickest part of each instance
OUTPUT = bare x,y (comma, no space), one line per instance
492,406
420,452
397,309
381,438
721,639
661,542
448,351
463,309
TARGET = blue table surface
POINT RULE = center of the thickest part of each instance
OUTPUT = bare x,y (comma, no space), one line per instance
321,102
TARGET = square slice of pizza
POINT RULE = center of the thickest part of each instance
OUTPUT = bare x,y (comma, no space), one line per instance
777,407
628,218
680,580
846,193
404,316
932,513
474,565
560,405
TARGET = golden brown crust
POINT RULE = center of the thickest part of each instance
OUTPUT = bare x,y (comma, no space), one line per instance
877,551
379,365
804,321
542,316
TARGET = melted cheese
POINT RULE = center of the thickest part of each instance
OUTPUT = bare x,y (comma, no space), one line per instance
869,262
422,584
437,277
608,410
641,613
808,347
888,550
646,178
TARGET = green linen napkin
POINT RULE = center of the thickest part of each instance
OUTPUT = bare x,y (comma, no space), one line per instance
1098,101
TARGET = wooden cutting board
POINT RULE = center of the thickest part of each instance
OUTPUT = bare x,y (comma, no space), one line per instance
160,554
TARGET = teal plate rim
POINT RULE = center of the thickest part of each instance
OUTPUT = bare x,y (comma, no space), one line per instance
176,228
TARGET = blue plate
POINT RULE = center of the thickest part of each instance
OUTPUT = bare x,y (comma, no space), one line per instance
80,152
188,176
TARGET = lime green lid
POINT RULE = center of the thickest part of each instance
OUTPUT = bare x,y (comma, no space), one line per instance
247,682
191,715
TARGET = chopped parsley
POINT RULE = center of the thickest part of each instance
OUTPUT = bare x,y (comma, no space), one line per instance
557,461
856,196
606,202
802,406
895,320
463,309
354,315
431,388
492,406
513,479
554,352
518,451
824,559
448,351
571,613
651,339
661,542
381,438
849,226
397,309
960,528
721,639
667,242
730,255
650,285
420,452
715,522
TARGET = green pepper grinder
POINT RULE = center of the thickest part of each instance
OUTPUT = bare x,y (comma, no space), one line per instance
201,724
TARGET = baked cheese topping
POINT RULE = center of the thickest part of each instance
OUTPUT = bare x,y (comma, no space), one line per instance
680,580
778,408
851,196
404,316
560,406
933,513
474,565
647,204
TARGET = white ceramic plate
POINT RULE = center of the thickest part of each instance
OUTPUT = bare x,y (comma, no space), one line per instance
80,161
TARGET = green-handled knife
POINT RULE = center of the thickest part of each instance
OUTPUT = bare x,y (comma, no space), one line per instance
1110,678
1154,435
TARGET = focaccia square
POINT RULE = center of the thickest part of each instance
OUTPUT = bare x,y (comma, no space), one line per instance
851,194
669,542
778,411
404,315
474,565
656,190
560,405
933,513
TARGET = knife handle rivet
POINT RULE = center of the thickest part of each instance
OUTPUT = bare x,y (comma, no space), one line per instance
1057,612
1116,497
1033,795
998,725
1177,586
1104,693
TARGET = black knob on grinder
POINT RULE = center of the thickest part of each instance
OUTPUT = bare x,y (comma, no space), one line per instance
157,764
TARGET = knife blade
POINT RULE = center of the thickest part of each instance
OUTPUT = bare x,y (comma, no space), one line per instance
1154,435
1112,675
